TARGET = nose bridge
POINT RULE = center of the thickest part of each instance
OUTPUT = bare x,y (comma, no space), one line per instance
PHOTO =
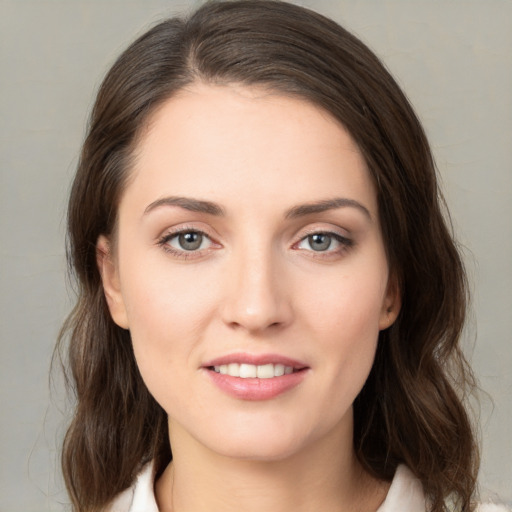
256,296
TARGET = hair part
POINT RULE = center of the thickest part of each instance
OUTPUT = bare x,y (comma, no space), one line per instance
411,408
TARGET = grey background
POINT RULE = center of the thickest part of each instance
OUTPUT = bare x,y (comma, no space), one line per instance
454,59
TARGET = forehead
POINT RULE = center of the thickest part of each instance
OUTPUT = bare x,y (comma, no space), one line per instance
236,141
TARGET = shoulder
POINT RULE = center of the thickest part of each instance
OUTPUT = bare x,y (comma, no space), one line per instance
140,497
406,493
492,507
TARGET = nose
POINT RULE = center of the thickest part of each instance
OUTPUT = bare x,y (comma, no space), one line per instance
258,296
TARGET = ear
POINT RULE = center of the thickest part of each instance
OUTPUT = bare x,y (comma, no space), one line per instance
391,304
111,285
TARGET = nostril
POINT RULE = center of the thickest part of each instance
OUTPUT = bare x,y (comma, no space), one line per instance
255,308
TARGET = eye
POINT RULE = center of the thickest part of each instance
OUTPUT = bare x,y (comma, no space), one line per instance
324,242
186,241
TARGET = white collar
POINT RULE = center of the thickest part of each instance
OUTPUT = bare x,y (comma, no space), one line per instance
405,493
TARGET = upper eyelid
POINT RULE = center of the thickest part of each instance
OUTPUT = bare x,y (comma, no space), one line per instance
172,234
342,236
177,230
339,238
341,232
299,235
165,238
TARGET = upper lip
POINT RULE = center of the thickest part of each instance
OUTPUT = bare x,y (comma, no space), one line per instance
255,359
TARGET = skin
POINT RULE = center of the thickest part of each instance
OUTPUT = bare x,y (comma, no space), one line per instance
255,285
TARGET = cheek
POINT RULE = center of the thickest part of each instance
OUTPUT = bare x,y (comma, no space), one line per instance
345,318
162,300
164,329
349,336
168,311
347,303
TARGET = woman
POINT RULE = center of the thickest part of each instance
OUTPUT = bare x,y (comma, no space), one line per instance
270,300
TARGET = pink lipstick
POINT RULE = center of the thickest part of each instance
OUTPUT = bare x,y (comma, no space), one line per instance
255,377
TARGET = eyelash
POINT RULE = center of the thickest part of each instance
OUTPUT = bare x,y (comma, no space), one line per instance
183,254
345,243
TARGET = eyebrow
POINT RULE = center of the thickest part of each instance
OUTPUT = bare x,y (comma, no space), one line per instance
302,210
187,203
325,205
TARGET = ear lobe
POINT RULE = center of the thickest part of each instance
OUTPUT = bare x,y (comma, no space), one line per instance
391,304
110,280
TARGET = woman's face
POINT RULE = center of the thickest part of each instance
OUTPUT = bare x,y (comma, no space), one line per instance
250,270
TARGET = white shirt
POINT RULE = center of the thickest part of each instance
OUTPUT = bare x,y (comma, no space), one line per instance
405,495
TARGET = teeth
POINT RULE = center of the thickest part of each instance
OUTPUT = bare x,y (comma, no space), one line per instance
279,370
265,371
234,369
246,371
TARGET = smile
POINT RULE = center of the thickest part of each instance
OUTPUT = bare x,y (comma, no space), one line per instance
255,377
248,371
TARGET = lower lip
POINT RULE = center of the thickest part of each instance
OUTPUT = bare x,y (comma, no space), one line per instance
256,389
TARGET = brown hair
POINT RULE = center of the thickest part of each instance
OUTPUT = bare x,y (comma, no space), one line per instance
411,407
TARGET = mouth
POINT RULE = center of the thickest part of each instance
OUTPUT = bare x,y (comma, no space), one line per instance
255,377
252,371
254,366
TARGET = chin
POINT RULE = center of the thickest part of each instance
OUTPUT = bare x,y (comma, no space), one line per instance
260,441
259,450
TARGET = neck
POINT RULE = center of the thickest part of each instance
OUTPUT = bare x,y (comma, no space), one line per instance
324,476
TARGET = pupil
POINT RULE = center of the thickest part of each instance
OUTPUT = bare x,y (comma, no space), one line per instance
320,242
190,241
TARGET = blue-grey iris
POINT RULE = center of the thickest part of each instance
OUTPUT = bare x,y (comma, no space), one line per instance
190,241
320,241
